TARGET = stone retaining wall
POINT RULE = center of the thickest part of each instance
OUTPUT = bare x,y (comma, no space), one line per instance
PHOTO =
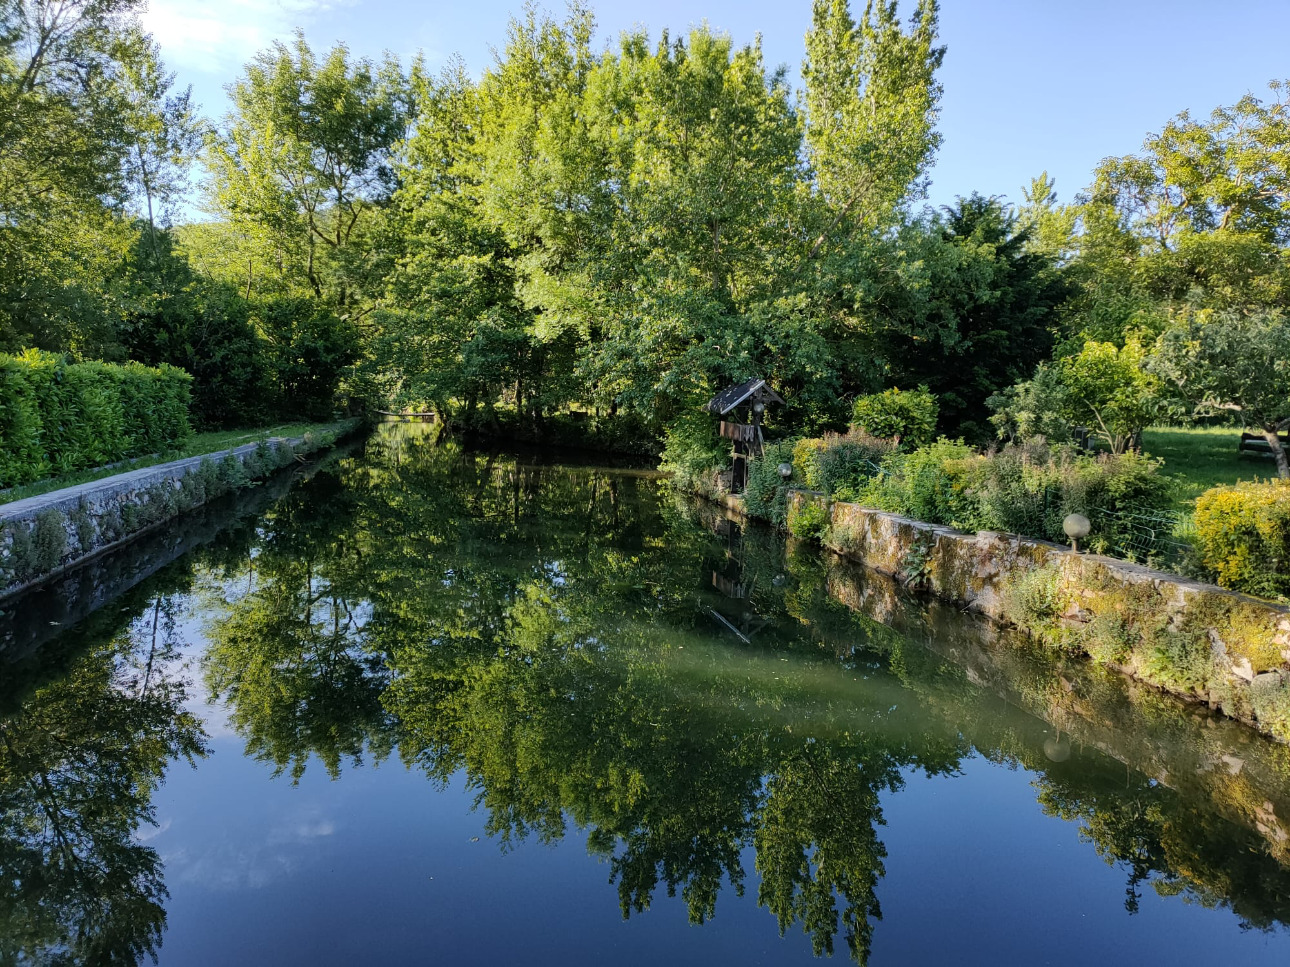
1184,636
46,535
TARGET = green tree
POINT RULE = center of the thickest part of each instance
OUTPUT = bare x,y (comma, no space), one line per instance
1201,216
81,94
962,304
872,100
1229,362
305,158
1109,391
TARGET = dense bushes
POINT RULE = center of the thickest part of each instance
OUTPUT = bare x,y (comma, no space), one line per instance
1243,536
57,417
837,464
206,330
694,453
309,350
766,492
1027,490
907,416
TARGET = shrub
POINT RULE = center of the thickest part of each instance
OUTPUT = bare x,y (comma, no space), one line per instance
58,417
908,416
930,484
310,348
48,540
693,452
1031,489
1033,603
1243,536
1270,698
1180,660
766,493
838,464
809,521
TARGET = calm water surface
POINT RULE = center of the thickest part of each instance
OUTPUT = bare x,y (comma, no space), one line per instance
422,705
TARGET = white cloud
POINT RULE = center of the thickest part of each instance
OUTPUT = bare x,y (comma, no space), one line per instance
219,36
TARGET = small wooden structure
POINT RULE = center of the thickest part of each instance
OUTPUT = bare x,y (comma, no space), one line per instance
749,400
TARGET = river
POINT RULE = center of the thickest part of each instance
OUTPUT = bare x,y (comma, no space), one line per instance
422,704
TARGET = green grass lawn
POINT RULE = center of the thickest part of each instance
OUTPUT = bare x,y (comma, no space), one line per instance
1203,457
197,445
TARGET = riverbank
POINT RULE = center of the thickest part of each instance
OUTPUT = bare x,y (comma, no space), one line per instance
1193,640
44,535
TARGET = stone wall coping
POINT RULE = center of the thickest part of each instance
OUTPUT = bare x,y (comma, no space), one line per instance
69,498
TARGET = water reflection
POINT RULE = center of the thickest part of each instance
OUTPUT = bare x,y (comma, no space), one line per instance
79,763
595,656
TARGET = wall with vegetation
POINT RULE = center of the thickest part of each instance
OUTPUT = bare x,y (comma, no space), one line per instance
44,535
1186,637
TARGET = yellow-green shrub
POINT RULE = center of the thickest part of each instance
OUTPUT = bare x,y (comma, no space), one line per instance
1243,536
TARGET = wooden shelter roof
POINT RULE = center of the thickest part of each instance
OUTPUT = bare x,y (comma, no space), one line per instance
732,396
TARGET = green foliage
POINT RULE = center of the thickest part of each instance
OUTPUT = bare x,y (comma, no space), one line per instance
1027,490
1108,391
1243,536
1270,699
1030,490
907,416
765,492
929,484
1108,639
48,541
915,568
57,416
305,160
809,520
1180,660
1231,362
1033,602
839,464
872,100
205,328
964,305
1034,409
1199,216
311,349
693,452
91,135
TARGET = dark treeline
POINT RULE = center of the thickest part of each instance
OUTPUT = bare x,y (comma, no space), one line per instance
617,231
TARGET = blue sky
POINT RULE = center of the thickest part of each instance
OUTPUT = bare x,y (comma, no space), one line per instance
1030,85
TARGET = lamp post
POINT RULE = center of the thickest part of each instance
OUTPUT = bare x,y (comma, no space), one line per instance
1076,527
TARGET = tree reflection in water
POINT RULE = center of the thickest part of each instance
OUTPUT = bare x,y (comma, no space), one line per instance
80,757
594,654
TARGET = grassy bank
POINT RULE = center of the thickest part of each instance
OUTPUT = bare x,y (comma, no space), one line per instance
198,444
1203,457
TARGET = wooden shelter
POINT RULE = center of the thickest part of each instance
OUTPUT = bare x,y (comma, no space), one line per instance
749,400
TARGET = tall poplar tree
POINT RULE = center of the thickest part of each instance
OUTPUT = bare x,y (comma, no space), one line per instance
872,100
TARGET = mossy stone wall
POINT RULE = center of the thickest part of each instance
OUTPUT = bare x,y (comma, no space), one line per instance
45,535
1186,637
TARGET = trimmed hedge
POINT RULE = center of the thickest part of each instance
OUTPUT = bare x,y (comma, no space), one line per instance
1243,535
58,417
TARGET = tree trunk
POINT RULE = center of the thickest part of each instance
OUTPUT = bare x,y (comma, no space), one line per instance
1278,451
